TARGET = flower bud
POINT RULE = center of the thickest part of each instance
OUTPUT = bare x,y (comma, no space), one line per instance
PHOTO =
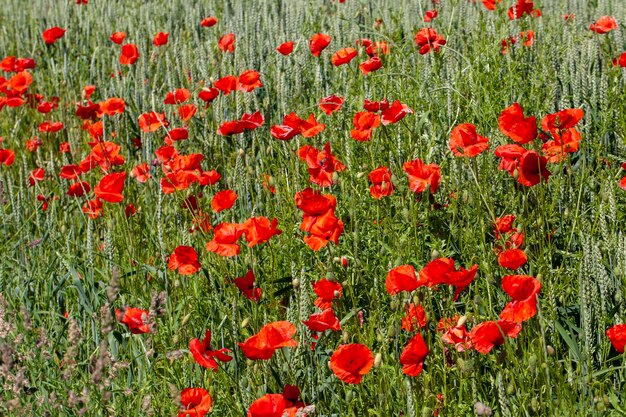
377,360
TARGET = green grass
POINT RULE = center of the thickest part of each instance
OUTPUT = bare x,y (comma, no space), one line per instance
60,261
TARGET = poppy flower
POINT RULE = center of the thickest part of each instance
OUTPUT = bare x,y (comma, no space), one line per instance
118,37
111,106
414,319
320,322
351,362
430,15
394,113
227,84
224,240
178,96
227,43
326,292
371,65
203,354
129,54
364,123
443,271
134,319
141,173
194,402
401,278
52,34
521,9
319,219
311,127
617,336
223,200
322,164
504,224
110,187
512,259
562,120
427,39
514,125
92,208
343,56
532,168
51,127
318,43
70,172
485,336
464,141
509,157
455,334
621,61
208,95
375,106
422,176
289,129
269,405
185,260
604,25
333,103
151,122
37,175
413,356
271,337
207,22
259,230
285,48
160,38
246,285
249,80
523,289
381,182
7,157
491,4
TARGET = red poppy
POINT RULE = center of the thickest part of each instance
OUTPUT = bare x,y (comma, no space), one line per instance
178,96
247,287
51,35
227,84
509,157
489,334
430,15
521,9
259,230
512,259
70,172
364,123
203,354
227,43
93,208
111,106
318,43
247,122
7,157
621,61
514,125
414,319
223,200
381,182
311,127
322,164
51,127
285,48
333,103
151,122
604,25
422,176
160,38
224,239
464,141
454,334
272,336
617,336
371,65
208,95
374,106
134,319
78,189
532,168
561,121
326,292
491,4
269,405
413,356
523,289
129,55
118,37
343,56
401,278
394,113
185,260
194,402
249,80
110,187
319,218
207,22
37,175
351,362
320,322
429,40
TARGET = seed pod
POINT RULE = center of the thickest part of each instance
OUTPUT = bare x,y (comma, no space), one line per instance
434,254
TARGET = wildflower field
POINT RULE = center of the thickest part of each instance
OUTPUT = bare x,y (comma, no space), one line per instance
313,208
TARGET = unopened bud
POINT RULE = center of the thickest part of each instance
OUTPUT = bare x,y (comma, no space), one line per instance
461,321
245,322
377,360
295,283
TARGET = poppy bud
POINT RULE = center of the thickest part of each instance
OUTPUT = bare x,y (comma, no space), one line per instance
250,170
510,389
330,276
478,300
186,319
245,322
534,405
539,277
345,337
393,305
406,214
241,152
345,284
391,332
461,321
255,368
336,294
175,340
335,177
600,406
380,338
532,363
540,222
295,283
360,175
349,396
377,360
465,196
550,350
336,259
269,150
618,273
344,261
434,254
427,412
